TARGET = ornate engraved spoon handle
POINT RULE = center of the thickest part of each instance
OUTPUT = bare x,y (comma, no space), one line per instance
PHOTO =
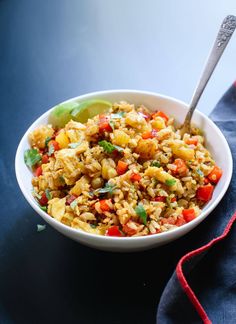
226,30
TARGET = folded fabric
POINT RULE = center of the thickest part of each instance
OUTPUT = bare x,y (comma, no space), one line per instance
203,286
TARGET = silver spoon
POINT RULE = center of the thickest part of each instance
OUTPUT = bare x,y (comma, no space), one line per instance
226,30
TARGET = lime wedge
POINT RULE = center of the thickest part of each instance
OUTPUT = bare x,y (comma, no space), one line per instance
90,108
60,114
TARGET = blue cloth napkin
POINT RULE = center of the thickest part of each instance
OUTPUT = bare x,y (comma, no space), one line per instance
203,287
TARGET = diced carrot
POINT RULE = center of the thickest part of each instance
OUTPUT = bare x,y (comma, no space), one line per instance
188,214
43,200
135,177
38,172
103,124
180,221
192,141
103,205
160,199
113,231
181,167
215,174
149,134
55,145
204,193
45,158
128,230
122,167
160,114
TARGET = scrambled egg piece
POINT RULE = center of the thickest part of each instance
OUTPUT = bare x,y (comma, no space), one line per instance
39,135
57,208
81,185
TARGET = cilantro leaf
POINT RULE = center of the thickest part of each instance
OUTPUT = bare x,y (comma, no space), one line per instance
35,194
40,228
47,140
51,149
141,212
44,208
31,157
48,194
107,146
156,164
118,115
170,182
107,189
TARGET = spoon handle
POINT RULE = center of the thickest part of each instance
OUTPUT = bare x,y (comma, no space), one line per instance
226,30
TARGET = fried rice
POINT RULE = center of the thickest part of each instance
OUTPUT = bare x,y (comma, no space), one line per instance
125,173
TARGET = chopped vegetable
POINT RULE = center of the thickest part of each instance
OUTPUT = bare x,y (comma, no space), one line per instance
204,193
180,221
135,177
215,174
48,194
107,146
73,204
44,208
170,182
31,157
156,164
113,231
149,134
40,228
103,124
43,200
160,198
122,167
35,194
188,214
104,205
181,167
62,139
141,212
107,189
200,173
38,172
45,159
52,147
129,230
70,199
47,140
192,141
160,114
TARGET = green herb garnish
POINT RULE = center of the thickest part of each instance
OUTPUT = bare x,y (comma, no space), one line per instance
170,182
93,225
73,204
40,228
141,212
44,208
31,157
200,172
118,115
156,164
109,148
35,194
111,123
47,140
107,189
51,149
48,194
74,145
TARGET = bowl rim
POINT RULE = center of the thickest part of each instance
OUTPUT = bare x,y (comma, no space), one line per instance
153,237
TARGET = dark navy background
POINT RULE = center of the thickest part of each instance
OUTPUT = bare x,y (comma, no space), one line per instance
51,51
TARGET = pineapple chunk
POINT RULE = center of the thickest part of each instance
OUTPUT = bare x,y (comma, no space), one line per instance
135,120
164,177
146,148
62,139
158,123
120,138
81,184
108,170
182,151
77,223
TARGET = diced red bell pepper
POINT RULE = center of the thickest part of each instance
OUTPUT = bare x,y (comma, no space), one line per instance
215,174
113,231
149,134
122,167
38,172
160,114
103,205
45,158
160,199
173,199
204,193
70,199
206,181
188,214
181,167
135,177
180,221
128,230
103,124
43,200
55,145
169,220
192,141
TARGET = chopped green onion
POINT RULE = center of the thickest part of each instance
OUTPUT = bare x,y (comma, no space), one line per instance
156,164
44,208
47,140
107,189
51,149
109,148
35,194
170,182
31,157
141,212
48,194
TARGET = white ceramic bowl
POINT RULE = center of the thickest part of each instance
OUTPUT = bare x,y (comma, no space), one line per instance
215,142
